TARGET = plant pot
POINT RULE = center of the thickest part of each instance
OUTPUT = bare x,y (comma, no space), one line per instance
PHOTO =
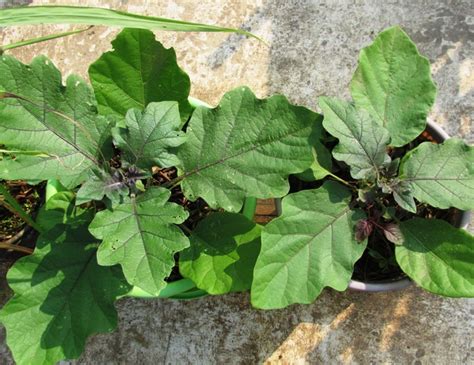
461,220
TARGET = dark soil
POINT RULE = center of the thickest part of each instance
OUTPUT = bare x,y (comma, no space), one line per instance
12,228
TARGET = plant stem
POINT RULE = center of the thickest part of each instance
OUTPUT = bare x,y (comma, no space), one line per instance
40,39
8,246
17,209
173,183
341,180
186,229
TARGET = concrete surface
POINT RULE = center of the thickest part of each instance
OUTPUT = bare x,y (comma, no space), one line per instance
314,48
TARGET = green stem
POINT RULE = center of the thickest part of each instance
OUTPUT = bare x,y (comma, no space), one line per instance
18,209
341,180
249,208
40,39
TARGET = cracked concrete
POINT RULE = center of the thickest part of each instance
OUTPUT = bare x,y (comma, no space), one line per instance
314,48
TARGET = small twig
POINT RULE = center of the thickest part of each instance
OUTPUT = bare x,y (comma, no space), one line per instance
16,237
8,246
163,175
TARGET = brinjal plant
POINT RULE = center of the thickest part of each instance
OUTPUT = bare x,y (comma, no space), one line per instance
145,176
385,188
151,187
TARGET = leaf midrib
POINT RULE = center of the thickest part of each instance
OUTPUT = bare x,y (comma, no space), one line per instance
253,148
313,236
46,109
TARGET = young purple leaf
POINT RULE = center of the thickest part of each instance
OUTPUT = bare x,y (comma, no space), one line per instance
393,233
364,228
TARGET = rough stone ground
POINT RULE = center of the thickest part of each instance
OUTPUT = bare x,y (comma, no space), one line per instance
314,48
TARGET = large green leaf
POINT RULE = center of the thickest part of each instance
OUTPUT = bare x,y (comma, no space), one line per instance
53,131
245,147
60,209
437,256
141,235
311,246
224,247
393,83
362,142
62,296
138,71
322,163
150,135
52,14
441,175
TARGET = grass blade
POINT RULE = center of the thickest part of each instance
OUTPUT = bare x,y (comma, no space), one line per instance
101,16
17,208
40,39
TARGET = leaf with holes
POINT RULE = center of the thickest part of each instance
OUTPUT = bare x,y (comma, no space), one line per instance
221,258
245,146
141,235
441,175
362,142
150,136
59,122
310,246
437,256
62,296
137,72
393,83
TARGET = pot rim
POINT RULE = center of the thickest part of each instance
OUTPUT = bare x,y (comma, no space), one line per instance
440,135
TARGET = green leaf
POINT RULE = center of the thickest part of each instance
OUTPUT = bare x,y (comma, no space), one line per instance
42,115
310,246
150,136
101,16
137,72
224,247
441,175
103,184
141,235
322,163
60,209
245,147
404,199
62,296
362,142
437,256
393,83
